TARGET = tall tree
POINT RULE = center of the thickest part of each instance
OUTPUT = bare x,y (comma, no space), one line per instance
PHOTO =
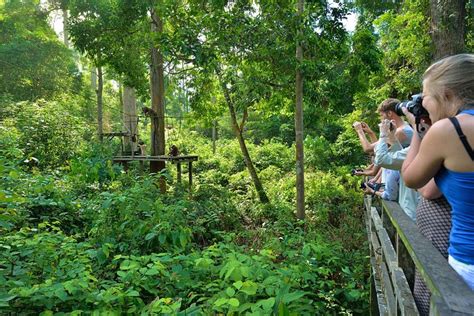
142,24
130,118
33,63
157,87
300,212
88,20
61,5
250,46
448,27
99,92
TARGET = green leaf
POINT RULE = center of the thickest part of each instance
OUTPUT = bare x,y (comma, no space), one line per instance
238,284
5,298
221,301
183,239
162,238
204,262
152,271
249,288
267,304
234,302
61,294
283,310
150,236
128,265
132,293
230,291
290,297
69,286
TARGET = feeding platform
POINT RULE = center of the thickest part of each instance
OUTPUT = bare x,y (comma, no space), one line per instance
178,160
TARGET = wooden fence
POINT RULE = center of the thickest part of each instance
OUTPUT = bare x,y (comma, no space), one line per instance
396,248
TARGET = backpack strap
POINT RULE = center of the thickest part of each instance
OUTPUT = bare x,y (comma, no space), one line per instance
462,137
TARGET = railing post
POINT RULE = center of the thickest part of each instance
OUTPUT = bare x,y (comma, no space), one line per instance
405,262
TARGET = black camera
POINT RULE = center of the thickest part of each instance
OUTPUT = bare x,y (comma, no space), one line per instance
353,171
373,186
414,106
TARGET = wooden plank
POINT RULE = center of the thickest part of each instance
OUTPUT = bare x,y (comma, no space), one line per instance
190,172
384,277
438,307
377,298
178,172
399,282
405,262
404,296
440,278
183,158
379,295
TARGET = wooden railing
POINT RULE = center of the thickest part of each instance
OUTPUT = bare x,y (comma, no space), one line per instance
396,248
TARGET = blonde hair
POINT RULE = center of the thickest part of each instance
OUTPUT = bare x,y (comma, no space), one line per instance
451,76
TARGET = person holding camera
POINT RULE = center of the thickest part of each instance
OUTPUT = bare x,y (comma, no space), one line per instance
403,131
387,111
445,152
390,154
363,130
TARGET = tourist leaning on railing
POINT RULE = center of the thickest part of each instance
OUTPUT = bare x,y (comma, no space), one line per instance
390,191
392,158
445,152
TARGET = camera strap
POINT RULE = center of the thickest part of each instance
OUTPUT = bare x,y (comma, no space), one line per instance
462,137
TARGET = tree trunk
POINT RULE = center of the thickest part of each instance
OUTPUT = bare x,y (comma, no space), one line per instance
448,27
300,211
94,78
65,31
243,147
130,119
99,90
157,86
214,136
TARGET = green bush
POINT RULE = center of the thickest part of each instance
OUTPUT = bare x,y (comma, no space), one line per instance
46,131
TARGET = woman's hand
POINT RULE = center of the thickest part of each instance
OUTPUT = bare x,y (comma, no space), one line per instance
410,118
422,127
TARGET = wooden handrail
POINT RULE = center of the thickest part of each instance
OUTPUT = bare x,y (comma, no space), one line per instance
450,295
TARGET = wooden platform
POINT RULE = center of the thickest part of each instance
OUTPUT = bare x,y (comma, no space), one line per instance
173,159
180,158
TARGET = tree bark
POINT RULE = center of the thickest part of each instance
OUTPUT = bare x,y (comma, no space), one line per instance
243,147
157,86
300,208
214,136
100,88
94,78
448,27
130,119
65,23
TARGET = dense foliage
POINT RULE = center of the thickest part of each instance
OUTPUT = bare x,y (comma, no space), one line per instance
33,62
92,238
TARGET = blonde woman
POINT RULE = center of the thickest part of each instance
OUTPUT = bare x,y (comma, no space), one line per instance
445,152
